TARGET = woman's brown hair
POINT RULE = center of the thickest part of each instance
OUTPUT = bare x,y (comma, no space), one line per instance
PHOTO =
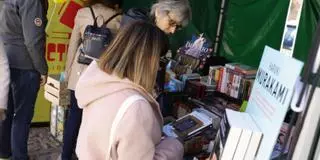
135,52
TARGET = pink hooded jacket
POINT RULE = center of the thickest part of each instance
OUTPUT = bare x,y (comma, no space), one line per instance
138,135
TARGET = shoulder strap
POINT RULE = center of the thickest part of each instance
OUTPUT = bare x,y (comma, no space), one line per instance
122,110
111,18
94,17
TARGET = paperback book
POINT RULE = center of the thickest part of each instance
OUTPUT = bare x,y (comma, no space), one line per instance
237,138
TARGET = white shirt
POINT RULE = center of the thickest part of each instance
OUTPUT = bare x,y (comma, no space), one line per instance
4,78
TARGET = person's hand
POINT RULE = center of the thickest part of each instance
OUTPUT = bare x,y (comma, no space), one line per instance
43,80
2,114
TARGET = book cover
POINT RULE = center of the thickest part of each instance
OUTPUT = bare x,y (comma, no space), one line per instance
270,96
230,132
213,73
237,138
188,125
198,47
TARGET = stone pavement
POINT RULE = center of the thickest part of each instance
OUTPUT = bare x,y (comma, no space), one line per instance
42,146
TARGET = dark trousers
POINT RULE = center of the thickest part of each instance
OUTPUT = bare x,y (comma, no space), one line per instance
14,130
71,129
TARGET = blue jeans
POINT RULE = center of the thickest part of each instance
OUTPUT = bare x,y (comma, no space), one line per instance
14,130
71,129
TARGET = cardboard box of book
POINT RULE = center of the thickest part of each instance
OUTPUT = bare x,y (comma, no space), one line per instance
237,138
56,91
57,120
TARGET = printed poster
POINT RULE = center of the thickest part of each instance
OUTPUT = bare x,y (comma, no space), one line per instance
271,94
291,27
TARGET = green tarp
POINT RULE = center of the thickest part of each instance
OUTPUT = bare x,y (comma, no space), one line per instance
249,26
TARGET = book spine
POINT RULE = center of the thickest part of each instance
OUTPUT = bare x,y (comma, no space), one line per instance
235,90
246,89
220,79
253,146
243,144
225,81
232,141
233,85
229,137
241,89
238,87
216,75
250,88
229,82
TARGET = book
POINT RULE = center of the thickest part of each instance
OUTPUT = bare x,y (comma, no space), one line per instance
213,74
189,125
237,138
198,47
255,140
270,96
242,68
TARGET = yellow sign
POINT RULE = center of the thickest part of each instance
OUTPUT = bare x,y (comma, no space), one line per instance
59,1
61,14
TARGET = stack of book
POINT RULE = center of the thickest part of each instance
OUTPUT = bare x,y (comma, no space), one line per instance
234,79
238,137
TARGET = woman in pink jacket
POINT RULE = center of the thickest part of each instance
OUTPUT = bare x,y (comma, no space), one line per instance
103,10
126,70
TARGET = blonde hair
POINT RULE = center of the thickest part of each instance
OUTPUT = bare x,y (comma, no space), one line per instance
135,54
180,8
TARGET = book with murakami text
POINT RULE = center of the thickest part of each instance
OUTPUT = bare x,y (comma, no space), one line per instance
253,134
271,95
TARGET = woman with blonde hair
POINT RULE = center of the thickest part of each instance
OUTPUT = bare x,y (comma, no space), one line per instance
121,120
169,16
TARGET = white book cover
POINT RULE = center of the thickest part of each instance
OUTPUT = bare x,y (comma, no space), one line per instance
270,96
246,133
230,132
237,137
255,139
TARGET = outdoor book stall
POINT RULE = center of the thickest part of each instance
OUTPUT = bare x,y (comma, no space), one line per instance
227,88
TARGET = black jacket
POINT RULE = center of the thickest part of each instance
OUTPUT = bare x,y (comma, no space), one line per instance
135,14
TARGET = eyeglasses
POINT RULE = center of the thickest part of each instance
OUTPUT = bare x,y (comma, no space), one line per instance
173,23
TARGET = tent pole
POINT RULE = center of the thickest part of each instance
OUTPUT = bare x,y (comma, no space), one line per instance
220,26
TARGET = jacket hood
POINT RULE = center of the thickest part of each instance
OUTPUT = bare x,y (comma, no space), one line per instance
135,14
95,84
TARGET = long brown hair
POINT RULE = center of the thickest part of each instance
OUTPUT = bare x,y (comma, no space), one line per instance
135,52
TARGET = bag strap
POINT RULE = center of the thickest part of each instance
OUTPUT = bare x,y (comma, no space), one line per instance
122,110
111,18
94,17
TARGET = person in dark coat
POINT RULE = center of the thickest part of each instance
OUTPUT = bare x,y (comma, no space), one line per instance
22,34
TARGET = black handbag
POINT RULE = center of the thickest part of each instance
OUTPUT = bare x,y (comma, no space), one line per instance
95,40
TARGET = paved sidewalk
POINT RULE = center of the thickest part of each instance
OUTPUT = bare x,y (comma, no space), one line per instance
42,146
